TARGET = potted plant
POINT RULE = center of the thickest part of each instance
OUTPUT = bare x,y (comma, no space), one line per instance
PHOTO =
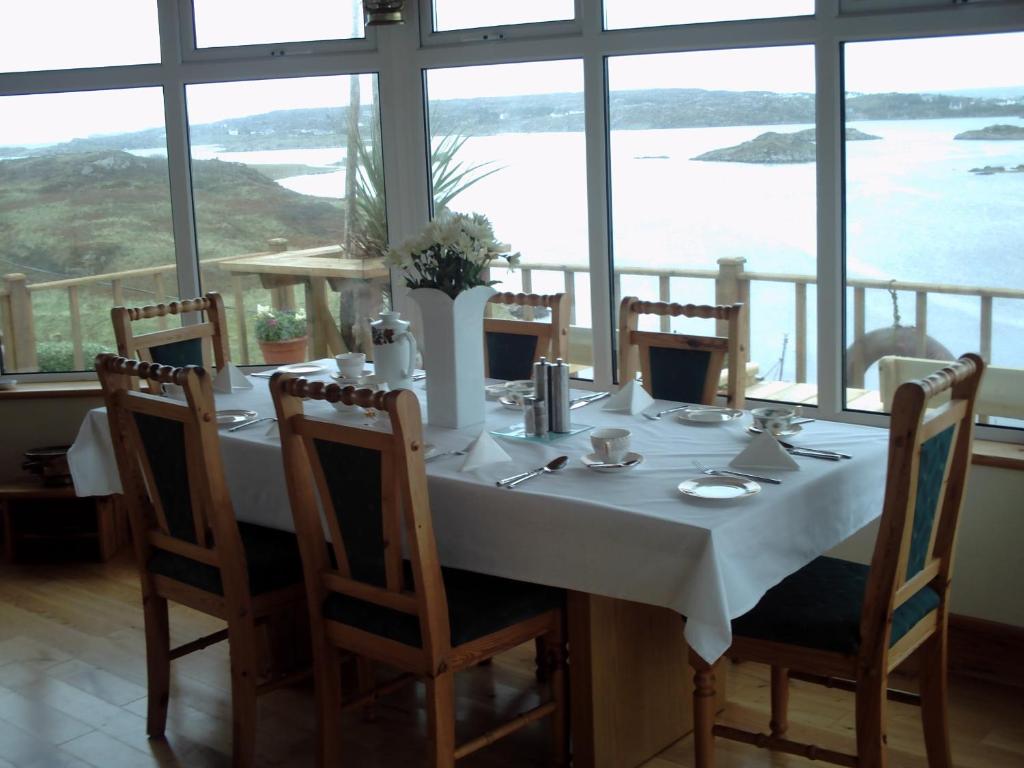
446,268
282,334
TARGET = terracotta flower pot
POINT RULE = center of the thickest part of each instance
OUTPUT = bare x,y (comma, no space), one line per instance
290,351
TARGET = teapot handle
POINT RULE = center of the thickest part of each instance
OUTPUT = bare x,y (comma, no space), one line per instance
412,355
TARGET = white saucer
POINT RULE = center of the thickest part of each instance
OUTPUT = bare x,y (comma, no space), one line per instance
697,415
592,459
511,403
224,418
365,378
718,488
302,368
793,430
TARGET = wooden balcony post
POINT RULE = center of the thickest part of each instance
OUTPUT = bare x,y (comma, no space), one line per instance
730,287
282,292
21,347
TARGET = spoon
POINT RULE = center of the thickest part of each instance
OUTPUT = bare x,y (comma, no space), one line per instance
614,464
552,466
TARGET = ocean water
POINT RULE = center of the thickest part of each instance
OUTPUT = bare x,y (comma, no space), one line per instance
915,212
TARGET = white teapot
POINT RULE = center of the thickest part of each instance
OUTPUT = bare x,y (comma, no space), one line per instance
394,351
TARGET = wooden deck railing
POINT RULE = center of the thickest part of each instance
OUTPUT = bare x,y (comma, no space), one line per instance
732,283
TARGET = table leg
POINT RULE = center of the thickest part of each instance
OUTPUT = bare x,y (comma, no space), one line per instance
630,683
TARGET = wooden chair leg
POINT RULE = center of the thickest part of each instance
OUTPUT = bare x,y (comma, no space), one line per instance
934,712
367,682
553,644
703,712
441,720
242,639
158,663
327,675
540,660
780,701
870,720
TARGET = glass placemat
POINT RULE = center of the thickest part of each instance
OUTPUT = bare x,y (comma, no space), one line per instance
518,432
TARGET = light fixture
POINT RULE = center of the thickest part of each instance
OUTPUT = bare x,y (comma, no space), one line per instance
380,12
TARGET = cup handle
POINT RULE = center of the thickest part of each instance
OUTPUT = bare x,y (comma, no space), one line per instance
412,355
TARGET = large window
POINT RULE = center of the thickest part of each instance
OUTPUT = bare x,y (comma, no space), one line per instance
508,142
934,204
289,204
85,221
713,177
849,169
66,34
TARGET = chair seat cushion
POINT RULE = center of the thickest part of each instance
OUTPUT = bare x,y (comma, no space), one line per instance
819,607
272,557
477,606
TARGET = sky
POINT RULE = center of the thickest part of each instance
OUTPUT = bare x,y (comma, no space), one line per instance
948,64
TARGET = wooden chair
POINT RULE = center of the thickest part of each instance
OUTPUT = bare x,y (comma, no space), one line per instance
204,343
683,367
413,615
849,625
188,545
513,346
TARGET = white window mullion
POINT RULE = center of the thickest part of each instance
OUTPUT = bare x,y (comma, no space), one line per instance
178,164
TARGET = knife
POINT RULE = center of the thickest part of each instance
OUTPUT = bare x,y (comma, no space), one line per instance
579,402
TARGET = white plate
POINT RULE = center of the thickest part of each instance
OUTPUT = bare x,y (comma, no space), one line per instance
793,430
708,415
302,368
592,458
718,488
224,418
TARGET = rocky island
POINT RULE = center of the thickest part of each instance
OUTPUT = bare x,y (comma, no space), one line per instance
1001,132
775,148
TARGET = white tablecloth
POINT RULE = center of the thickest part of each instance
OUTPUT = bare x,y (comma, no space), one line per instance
628,535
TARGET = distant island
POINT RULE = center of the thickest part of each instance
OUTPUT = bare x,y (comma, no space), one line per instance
777,148
989,170
1000,132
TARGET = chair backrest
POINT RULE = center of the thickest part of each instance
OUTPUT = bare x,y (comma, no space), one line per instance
204,343
372,488
1001,393
511,347
683,367
929,455
169,461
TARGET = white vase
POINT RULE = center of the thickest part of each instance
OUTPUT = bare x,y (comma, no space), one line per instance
453,354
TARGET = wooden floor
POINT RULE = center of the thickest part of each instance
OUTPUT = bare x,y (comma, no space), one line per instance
72,693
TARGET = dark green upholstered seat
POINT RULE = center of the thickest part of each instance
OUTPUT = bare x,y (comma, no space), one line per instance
477,606
819,607
178,353
510,356
272,557
678,374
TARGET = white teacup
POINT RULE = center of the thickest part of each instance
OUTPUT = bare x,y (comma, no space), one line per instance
610,444
350,364
173,391
774,419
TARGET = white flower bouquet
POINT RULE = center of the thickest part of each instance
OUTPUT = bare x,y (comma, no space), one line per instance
451,253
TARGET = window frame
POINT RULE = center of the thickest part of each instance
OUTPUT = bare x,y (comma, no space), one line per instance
497,33
399,56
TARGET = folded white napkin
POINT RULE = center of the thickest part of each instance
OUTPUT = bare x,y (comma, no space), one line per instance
483,451
764,452
272,430
230,377
631,398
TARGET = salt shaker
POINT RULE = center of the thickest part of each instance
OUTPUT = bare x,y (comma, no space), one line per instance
558,402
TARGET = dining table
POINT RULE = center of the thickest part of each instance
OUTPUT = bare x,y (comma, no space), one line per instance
651,571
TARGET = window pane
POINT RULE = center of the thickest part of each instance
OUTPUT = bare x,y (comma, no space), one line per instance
68,34
286,216
466,14
934,231
250,22
86,222
510,140
713,176
624,14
